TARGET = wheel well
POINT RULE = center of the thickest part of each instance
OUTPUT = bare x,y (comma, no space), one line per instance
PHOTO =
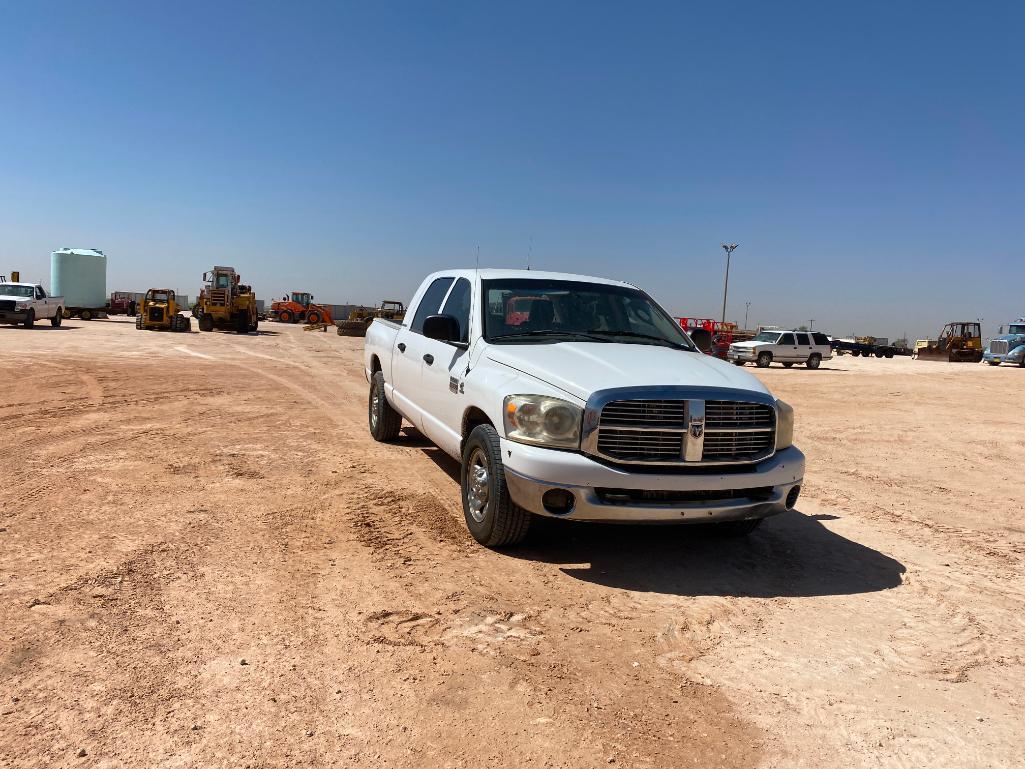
375,365
471,419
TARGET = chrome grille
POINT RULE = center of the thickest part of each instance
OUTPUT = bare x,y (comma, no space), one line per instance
641,446
658,431
999,347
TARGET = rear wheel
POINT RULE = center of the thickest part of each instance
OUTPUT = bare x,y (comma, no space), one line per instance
385,422
57,318
206,323
814,360
86,315
30,319
764,359
492,517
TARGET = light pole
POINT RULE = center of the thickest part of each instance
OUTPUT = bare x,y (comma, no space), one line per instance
811,326
747,309
728,248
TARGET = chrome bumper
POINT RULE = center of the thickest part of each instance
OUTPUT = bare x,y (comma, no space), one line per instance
529,477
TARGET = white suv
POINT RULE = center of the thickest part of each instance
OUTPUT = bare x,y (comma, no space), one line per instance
786,347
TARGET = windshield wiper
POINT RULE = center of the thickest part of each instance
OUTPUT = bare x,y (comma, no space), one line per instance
549,332
638,335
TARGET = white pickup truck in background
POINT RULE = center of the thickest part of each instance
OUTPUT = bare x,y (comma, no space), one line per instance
25,303
579,398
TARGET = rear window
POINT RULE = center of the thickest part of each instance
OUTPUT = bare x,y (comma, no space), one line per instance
820,338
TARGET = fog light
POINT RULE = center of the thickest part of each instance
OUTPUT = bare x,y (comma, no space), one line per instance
792,497
558,501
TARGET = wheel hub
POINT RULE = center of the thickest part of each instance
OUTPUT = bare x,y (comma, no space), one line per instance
478,487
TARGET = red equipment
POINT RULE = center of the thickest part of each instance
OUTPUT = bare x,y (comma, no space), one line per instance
713,337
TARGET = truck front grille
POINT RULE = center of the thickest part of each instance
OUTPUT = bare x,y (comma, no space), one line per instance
8,304
999,347
156,314
671,431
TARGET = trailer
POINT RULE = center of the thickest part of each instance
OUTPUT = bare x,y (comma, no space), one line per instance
863,347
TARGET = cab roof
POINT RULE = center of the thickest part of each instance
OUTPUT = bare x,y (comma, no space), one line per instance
492,273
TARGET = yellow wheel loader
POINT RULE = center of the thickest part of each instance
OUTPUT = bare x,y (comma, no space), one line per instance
159,311
226,304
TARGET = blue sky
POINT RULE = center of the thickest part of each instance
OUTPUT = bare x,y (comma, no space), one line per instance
868,157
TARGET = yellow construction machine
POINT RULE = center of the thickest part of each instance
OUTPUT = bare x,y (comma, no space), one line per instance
959,342
359,319
225,303
159,310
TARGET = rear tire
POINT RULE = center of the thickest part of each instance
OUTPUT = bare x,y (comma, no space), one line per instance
86,315
30,318
57,319
493,519
764,359
206,323
385,422
813,361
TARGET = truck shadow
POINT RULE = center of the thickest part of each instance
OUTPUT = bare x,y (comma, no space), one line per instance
790,555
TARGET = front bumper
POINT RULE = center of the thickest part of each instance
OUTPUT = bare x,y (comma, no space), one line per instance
743,354
13,316
531,471
1005,358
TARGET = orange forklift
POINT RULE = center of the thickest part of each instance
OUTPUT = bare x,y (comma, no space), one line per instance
300,307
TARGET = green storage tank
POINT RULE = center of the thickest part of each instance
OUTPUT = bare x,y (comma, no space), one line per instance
80,276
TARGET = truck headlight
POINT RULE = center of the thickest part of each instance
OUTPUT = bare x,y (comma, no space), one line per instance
784,425
542,421
23,305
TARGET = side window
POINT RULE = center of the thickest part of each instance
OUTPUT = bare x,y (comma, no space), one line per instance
430,303
458,306
820,338
802,339
786,339
40,294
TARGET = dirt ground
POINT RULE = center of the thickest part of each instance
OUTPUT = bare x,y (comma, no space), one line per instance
205,561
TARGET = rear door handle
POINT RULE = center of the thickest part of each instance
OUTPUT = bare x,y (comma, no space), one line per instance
429,359
401,346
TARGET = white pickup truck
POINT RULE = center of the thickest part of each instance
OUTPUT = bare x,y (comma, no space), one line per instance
579,398
25,303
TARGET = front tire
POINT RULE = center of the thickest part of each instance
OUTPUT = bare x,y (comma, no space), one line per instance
764,359
493,519
284,316
30,318
313,318
385,422
86,315
206,323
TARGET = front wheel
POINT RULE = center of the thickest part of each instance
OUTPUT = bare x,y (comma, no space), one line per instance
385,422
285,316
57,319
764,359
30,319
86,315
492,517
814,361
313,318
206,323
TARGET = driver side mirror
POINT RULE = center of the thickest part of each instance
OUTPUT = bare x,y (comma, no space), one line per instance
444,328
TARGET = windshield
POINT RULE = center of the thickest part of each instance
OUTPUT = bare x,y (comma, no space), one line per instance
157,296
537,311
1016,328
10,290
767,336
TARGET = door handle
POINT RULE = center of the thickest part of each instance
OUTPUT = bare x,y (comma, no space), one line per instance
401,346
429,359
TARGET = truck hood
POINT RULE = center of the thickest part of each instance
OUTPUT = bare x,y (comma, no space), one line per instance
748,345
582,368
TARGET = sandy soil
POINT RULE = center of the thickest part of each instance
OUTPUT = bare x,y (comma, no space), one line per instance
205,561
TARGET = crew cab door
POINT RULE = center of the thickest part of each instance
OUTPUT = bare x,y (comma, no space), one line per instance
408,355
443,371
